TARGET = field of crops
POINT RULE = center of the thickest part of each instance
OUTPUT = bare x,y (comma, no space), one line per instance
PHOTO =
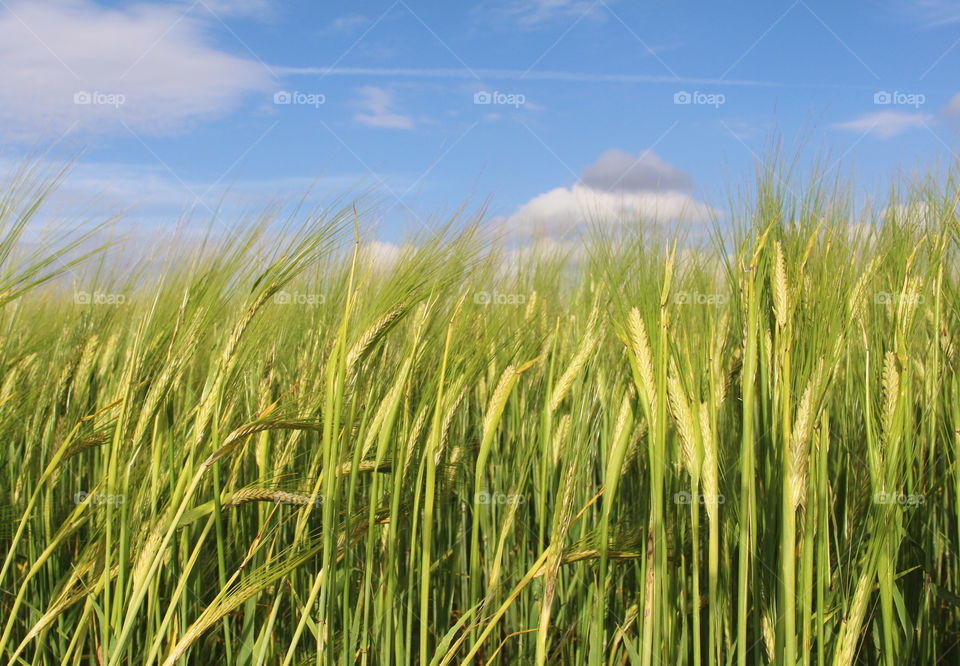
278,447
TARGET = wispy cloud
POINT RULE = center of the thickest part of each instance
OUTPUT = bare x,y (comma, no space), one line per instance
258,8
81,65
540,75
533,14
377,109
932,13
886,124
349,23
148,194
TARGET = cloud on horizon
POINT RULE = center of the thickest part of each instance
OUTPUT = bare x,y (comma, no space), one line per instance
617,188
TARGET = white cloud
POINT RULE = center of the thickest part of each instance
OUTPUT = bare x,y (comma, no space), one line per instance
934,12
514,260
617,188
886,124
147,196
530,14
153,67
565,208
521,75
921,212
383,255
377,104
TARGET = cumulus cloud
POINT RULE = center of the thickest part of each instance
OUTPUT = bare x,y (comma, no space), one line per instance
618,187
886,124
69,64
565,208
377,109
617,170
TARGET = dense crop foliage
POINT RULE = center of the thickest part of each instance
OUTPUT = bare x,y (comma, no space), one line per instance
278,450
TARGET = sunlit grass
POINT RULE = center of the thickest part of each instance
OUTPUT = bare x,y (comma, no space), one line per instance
647,452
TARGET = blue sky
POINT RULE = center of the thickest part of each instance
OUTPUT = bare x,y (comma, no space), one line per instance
548,108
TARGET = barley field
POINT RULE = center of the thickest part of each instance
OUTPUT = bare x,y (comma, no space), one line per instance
276,446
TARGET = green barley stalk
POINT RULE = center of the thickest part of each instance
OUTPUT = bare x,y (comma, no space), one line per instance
294,475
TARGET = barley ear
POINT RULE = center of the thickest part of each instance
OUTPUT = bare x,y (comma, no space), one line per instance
711,466
375,332
891,391
799,445
577,364
680,408
781,294
640,347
